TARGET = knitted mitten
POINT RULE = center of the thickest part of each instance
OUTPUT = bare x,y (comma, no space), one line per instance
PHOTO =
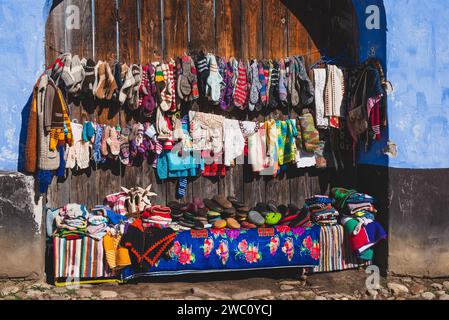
144,86
203,73
214,81
274,86
241,92
304,82
184,84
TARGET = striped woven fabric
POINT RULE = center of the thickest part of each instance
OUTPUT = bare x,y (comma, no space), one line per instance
79,259
335,252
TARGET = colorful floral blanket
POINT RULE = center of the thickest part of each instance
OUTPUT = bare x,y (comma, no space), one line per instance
221,250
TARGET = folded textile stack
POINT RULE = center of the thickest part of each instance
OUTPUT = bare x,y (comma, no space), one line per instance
353,203
321,210
359,221
156,216
97,225
71,222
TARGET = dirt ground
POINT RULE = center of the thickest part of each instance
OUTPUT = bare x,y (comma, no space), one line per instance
265,285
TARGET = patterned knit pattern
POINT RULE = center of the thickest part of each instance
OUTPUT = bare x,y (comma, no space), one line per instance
241,93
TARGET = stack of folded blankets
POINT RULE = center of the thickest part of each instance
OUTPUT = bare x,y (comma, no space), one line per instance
321,210
71,222
359,220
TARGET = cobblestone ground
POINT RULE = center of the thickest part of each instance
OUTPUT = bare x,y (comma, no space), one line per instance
347,285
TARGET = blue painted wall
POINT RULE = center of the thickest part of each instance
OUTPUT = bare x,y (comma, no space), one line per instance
22,59
414,52
416,58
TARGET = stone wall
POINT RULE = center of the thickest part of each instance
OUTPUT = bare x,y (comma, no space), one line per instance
22,236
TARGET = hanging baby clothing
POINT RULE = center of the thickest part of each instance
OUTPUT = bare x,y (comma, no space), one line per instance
78,155
234,142
206,131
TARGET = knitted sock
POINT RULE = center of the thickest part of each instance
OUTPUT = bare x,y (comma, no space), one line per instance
97,154
128,84
194,81
44,178
274,86
61,170
255,86
223,74
263,87
137,75
166,93
159,82
182,187
283,94
266,73
292,82
143,89
203,73
149,101
228,92
89,77
214,81
171,78
78,74
241,92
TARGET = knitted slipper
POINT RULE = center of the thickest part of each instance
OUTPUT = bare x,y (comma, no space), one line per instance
124,146
128,83
104,145
222,201
198,202
232,224
100,90
113,142
133,101
256,218
111,85
235,202
220,224
212,205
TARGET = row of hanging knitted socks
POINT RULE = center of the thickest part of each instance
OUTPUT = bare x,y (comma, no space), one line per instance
243,84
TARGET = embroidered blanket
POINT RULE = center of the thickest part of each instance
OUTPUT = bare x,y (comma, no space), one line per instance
222,250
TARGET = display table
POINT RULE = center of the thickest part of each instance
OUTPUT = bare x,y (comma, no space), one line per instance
319,249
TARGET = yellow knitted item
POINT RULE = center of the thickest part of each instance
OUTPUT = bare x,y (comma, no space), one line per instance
116,257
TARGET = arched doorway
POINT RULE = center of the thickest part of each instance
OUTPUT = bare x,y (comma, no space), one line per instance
140,31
